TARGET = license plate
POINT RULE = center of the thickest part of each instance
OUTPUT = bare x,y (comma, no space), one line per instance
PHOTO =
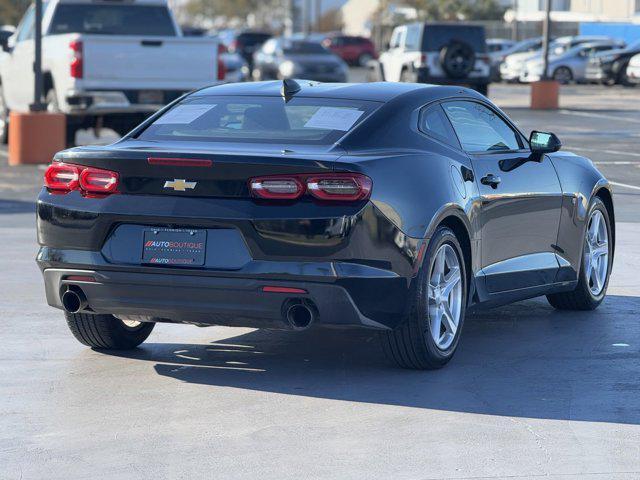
174,247
155,97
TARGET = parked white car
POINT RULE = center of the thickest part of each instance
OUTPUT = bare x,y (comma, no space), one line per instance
570,66
105,63
633,69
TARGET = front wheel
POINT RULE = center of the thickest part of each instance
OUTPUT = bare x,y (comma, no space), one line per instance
428,338
596,264
107,332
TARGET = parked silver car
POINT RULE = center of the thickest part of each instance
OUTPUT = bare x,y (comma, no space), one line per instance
512,67
570,66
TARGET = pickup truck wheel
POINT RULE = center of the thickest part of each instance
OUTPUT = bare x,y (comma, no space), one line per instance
107,332
51,101
4,119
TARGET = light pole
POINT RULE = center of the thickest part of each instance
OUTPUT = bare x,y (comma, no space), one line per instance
545,40
37,105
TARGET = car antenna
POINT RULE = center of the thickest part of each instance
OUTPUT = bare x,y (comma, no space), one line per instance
289,88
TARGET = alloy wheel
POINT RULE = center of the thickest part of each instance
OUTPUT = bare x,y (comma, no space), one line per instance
596,253
444,297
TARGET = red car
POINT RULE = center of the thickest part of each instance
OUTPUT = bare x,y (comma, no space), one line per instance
353,50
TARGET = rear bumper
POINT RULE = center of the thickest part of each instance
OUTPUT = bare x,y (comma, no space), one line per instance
354,264
423,75
103,102
206,300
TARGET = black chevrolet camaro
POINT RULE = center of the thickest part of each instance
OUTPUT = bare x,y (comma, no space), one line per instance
393,207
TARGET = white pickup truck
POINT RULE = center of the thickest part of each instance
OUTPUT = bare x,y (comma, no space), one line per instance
106,63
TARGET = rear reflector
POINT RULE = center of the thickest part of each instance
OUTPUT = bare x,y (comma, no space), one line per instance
343,187
80,278
276,188
180,162
269,289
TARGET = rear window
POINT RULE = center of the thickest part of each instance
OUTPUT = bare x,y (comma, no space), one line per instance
259,120
251,39
438,36
289,46
104,19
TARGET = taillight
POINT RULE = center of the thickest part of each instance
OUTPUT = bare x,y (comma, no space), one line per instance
341,187
222,70
64,177
76,69
96,180
222,48
286,188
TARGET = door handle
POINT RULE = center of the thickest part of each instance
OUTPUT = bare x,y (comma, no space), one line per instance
491,180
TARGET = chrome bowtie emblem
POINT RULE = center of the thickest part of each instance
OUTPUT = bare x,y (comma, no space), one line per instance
180,184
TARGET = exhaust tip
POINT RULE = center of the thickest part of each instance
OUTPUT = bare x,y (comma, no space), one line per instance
73,300
300,316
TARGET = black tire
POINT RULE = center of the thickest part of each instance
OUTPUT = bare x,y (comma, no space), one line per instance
51,101
4,119
564,75
406,76
106,331
457,59
410,345
364,59
581,297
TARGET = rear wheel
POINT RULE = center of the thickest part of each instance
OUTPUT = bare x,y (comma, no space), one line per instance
563,75
596,264
107,332
428,338
51,101
364,59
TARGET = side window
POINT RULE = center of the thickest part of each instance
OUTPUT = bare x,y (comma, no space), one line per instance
434,122
395,38
412,41
26,26
480,129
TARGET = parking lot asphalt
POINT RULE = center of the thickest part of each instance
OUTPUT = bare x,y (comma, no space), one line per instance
532,393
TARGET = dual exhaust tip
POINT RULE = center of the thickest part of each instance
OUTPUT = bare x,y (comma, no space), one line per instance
299,314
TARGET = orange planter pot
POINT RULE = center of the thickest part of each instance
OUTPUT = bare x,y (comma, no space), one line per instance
34,137
545,95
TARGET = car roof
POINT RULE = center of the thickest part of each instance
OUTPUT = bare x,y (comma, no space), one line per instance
375,91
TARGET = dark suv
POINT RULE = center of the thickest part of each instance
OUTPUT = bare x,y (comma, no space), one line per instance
440,53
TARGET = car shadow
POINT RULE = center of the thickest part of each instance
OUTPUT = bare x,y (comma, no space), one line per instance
523,360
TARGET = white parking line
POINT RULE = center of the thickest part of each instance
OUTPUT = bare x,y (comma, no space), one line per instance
624,185
611,152
599,115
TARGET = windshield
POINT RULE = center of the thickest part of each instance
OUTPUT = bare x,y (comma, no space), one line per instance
107,19
259,120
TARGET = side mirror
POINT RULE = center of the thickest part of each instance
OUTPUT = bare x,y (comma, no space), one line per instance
542,142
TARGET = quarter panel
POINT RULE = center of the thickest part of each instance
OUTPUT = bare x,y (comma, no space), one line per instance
580,180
